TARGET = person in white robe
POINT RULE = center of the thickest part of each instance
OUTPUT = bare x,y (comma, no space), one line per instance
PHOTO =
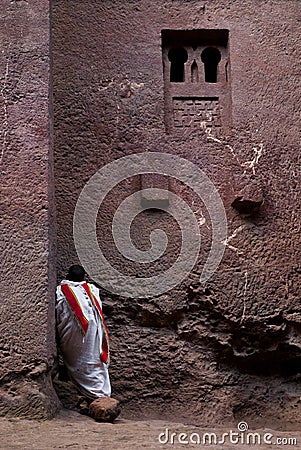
83,335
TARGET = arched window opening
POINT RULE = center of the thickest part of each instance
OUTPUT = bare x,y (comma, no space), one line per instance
177,57
194,72
211,57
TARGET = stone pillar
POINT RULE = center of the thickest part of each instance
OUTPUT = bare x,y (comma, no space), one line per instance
27,344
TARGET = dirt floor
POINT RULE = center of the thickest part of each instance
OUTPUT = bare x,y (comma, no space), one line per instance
70,430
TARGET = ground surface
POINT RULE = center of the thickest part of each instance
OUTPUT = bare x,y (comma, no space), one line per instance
69,430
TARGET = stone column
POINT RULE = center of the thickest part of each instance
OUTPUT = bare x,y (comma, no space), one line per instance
27,344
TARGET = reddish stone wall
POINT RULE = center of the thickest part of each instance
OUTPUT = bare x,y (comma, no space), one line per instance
229,350
26,214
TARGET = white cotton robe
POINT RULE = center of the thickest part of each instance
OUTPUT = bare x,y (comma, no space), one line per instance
81,354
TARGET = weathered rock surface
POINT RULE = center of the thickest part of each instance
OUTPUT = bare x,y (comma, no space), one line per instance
27,243
229,350
219,353
249,199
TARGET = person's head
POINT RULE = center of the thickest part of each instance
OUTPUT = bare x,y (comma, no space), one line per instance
76,273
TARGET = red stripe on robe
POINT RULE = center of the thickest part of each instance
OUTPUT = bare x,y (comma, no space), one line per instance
105,353
75,306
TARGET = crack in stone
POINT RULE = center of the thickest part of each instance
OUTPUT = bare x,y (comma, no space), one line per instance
254,162
233,235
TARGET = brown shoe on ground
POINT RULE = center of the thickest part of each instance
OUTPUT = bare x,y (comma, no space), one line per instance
104,409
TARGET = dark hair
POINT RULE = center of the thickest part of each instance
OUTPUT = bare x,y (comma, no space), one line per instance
76,273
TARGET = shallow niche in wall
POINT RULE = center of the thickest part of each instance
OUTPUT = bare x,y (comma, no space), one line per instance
197,88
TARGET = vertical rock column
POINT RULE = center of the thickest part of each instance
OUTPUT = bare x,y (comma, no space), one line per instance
27,245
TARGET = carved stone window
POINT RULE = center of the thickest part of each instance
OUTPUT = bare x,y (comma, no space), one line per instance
196,80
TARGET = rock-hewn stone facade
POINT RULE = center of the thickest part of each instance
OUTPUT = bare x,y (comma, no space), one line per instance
213,354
